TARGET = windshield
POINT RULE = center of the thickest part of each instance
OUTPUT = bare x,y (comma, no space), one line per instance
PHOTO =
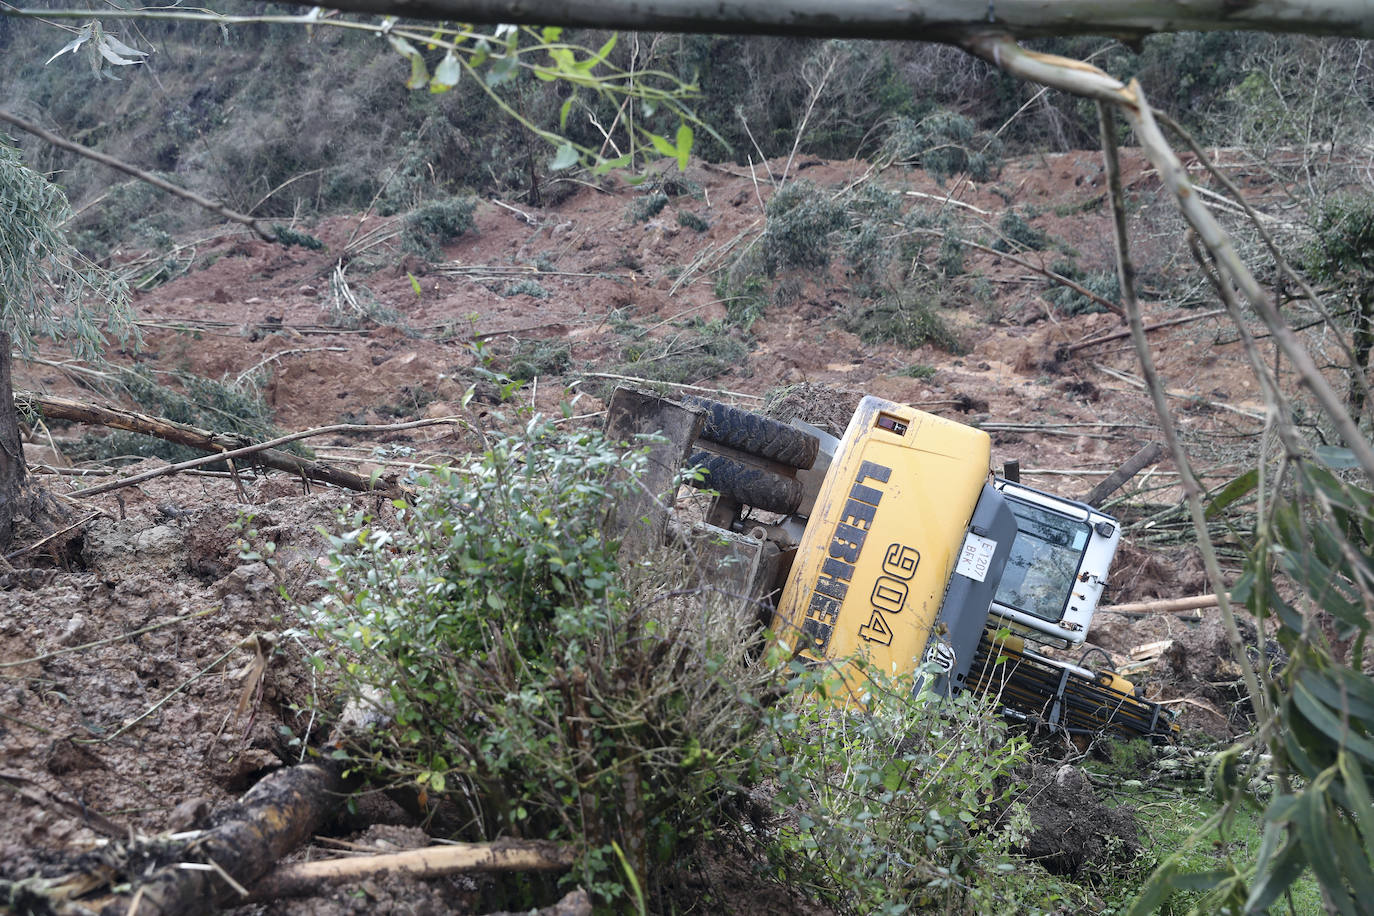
1044,560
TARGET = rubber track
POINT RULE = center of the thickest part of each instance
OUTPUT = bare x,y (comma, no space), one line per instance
756,434
749,485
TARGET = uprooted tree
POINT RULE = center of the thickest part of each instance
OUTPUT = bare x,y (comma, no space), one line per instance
1315,513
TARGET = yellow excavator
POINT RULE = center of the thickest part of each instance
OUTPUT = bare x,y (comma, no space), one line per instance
896,544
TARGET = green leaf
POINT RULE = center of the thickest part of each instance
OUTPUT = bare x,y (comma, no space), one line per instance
605,165
606,48
1361,806
551,33
685,138
1315,829
419,74
661,144
1286,867
1233,491
81,38
501,71
414,284
565,158
1336,457
1321,716
447,74
564,111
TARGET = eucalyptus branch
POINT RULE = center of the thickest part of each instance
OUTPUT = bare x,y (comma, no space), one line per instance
1191,488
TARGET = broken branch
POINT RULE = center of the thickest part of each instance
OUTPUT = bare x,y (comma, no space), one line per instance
305,879
223,447
121,166
1164,605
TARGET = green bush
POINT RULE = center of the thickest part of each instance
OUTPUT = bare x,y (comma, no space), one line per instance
1104,283
436,223
698,352
533,358
943,143
906,316
690,220
801,220
514,669
531,288
746,300
898,803
644,208
1016,234
233,408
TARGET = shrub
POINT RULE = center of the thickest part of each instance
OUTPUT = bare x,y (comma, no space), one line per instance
896,803
431,225
906,317
699,352
1104,283
1017,234
533,358
943,143
530,288
644,208
690,220
521,674
801,219
235,408
746,300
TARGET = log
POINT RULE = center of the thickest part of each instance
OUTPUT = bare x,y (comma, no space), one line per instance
1147,456
274,817
1163,606
223,446
307,879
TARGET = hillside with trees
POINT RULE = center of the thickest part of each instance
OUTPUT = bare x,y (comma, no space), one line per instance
443,272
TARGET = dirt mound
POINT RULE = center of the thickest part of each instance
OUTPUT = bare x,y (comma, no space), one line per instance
1073,830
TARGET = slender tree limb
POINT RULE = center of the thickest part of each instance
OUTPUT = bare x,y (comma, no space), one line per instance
119,165
1122,335
1192,489
1109,305
1162,606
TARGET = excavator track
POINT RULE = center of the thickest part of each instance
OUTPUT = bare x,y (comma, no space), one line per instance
1032,687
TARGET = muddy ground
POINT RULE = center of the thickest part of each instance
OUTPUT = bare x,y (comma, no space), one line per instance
151,673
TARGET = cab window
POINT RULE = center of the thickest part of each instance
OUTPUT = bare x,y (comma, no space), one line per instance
1044,560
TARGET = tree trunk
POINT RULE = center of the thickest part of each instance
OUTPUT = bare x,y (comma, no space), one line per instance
11,450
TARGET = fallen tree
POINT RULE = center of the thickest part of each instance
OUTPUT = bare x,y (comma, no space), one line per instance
222,447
